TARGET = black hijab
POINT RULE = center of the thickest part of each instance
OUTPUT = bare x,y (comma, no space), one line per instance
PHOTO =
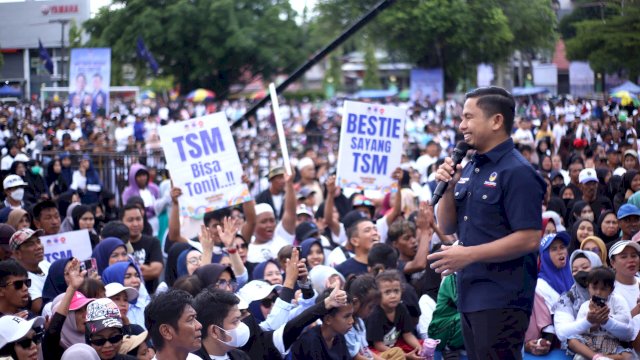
171,271
607,239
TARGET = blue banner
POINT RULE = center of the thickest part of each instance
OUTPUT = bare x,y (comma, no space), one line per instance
427,85
89,77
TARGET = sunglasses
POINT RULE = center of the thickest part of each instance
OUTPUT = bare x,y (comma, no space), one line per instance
18,284
113,340
36,339
222,284
267,302
195,261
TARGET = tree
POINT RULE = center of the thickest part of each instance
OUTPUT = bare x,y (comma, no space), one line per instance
75,35
610,46
371,75
202,43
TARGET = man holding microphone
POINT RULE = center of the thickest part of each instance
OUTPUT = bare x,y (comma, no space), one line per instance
494,205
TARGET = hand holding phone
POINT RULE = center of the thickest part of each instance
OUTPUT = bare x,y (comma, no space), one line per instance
599,301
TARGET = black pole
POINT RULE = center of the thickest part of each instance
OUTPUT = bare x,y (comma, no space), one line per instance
364,20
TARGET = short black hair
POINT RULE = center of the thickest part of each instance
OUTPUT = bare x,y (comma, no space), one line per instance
219,215
389,275
399,228
383,254
602,275
213,306
10,268
130,206
352,231
116,229
188,283
165,308
41,206
495,100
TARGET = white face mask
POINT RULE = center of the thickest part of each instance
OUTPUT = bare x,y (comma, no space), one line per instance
17,194
239,336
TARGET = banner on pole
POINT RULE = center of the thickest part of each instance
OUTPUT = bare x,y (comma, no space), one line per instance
75,244
89,78
370,146
202,158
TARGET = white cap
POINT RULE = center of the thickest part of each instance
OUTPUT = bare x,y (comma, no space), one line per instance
304,162
587,175
13,328
20,157
304,210
12,181
256,290
619,171
242,305
115,288
263,208
620,245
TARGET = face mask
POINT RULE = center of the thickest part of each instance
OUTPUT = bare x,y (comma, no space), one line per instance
555,189
17,194
239,336
588,217
36,170
581,278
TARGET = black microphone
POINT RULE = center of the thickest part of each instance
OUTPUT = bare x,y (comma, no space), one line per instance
458,154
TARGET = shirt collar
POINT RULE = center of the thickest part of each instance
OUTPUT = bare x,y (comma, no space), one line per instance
496,153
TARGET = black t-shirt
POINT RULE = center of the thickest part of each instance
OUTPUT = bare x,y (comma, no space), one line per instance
147,250
379,328
311,345
351,266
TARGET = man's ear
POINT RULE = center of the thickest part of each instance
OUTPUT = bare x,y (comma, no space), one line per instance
497,122
167,332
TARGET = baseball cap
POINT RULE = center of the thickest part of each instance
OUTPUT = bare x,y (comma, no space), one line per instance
21,236
12,181
130,342
276,171
628,210
79,301
554,174
304,162
352,217
305,230
587,175
21,158
305,192
115,288
256,290
619,171
304,210
242,305
12,328
632,153
5,233
102,314
548,239
620,245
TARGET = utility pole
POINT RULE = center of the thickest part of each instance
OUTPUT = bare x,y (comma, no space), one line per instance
63,23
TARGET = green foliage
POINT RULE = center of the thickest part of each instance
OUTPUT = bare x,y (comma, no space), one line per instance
75,35
611,45
202,43
334,72
371,75
585,10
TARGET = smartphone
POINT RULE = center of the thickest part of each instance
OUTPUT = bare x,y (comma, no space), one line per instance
299,248
89,265
599,301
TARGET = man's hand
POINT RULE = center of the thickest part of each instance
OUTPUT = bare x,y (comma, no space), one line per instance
288,179
245,180
176,192
75,276
425,220
228,233
337,297
205,238
303,273
291,271
451,259
448,173
331,185
397,174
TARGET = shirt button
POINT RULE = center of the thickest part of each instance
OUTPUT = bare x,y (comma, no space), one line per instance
457,192
484,197
466,218
477,170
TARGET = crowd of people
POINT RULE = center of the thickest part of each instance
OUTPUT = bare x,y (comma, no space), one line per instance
307,270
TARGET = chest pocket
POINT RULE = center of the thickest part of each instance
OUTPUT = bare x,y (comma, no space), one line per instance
460,193
487,206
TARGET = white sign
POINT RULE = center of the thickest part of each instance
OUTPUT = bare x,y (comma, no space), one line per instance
202,158
75,244
370,146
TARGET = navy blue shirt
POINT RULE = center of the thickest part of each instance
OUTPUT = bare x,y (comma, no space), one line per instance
498,194
351,266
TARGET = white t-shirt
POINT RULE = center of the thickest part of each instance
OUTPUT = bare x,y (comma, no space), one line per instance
37,280
277,202
258,253
337,257
631,293
147,197
549,294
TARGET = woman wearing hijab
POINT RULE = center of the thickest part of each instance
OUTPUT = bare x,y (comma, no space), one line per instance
268,271
311,250
596,246
580,210
554,279
80,351
108,252
86,181
171,269
217,276
83,218
128,274
19,219
566,309
608,228
55,283
579,231
108,199
67,223
55,181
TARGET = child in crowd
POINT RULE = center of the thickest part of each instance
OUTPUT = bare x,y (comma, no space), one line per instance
389,324
605,320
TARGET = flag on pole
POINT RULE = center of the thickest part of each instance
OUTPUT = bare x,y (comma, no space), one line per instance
44,55
145,55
